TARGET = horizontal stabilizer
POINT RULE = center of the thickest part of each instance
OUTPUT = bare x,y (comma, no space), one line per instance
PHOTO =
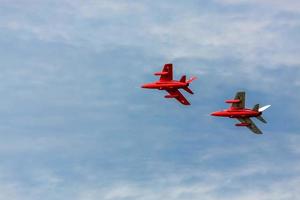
263,108
260,118
188,90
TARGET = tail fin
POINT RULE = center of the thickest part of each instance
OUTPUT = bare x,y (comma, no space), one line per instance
183,79
260,118
256,107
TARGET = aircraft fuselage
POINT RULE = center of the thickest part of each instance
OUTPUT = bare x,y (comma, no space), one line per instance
163,85
236,113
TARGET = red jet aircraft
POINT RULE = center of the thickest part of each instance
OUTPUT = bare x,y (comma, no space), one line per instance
238,111
167,83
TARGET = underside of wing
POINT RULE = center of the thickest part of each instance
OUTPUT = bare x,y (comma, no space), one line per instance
239,96
174,93
251,125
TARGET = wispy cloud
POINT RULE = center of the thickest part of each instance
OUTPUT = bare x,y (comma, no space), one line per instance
251,42
75,123
289,5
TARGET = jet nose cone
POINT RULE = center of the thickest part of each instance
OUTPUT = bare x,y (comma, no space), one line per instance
144,86
147,85
213,114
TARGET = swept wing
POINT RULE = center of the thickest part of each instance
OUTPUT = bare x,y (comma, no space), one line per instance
167,73
175,93
251,125
239,96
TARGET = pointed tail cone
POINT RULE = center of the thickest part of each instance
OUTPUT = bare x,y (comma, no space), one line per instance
260,118
191,79
263,108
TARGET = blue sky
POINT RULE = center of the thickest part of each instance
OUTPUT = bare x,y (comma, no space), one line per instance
75,123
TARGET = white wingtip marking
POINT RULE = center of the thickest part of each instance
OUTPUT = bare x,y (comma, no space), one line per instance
263,108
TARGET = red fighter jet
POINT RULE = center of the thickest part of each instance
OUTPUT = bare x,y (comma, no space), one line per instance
238,111
167,83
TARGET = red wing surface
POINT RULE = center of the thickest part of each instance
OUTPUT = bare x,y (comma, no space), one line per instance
239,96
251,126
177,95
169,75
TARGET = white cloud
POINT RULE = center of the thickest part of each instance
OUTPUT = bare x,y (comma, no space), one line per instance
294,144
249,37
260,180
252,38
276,190
105,8
287,5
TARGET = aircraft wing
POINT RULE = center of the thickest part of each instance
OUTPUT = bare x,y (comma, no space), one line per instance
177,95
167,73
239,96
252,125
